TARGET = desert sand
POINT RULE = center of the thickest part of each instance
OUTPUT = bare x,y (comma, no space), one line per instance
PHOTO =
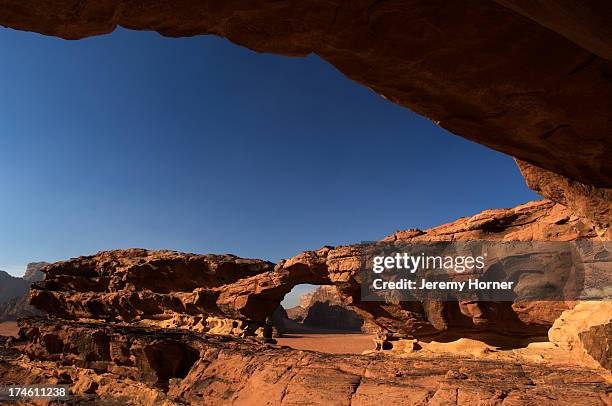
9,328
333,343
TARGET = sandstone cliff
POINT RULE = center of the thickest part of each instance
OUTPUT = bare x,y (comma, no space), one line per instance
34,272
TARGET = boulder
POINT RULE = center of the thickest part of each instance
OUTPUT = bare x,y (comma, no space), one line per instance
585,331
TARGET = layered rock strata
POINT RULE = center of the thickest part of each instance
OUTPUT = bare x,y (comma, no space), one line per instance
161,288
227,294
108,364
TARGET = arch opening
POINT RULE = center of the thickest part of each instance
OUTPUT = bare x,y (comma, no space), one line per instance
313,317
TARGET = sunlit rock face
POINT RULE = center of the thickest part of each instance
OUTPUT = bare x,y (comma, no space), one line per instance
231,295
158,288
586,332
537,221
162,327
531,79
104,363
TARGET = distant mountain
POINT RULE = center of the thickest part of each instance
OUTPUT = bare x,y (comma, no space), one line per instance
17,307
33,271
11,287
14,292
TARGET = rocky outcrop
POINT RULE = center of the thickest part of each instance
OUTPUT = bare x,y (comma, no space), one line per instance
324,309
162,288
12,287
585,331
109,364
541,220
162,327
13,294
17,307
227,294
34,272
596,343
530,79
535,221
593,205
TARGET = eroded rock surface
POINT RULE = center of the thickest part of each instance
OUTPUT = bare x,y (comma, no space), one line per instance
142,327
593,205
230,295
585,331
129,365
161,288
34,272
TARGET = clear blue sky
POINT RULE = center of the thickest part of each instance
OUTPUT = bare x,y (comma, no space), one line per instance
135,140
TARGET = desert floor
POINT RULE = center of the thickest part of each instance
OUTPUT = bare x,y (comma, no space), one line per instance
330,343
8,328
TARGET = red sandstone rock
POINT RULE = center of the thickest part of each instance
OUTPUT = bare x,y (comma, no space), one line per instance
585,331
149,287
127,365
229,295
593,205
130,349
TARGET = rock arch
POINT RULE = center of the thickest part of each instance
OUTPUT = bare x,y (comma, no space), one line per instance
231,295
530,79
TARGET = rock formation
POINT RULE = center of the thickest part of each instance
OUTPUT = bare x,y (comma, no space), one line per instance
324,309
108,364
162,288
17,307
226,294
586,332
11,287
230,294
34,272
593,205
138,326
14,293
530,79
